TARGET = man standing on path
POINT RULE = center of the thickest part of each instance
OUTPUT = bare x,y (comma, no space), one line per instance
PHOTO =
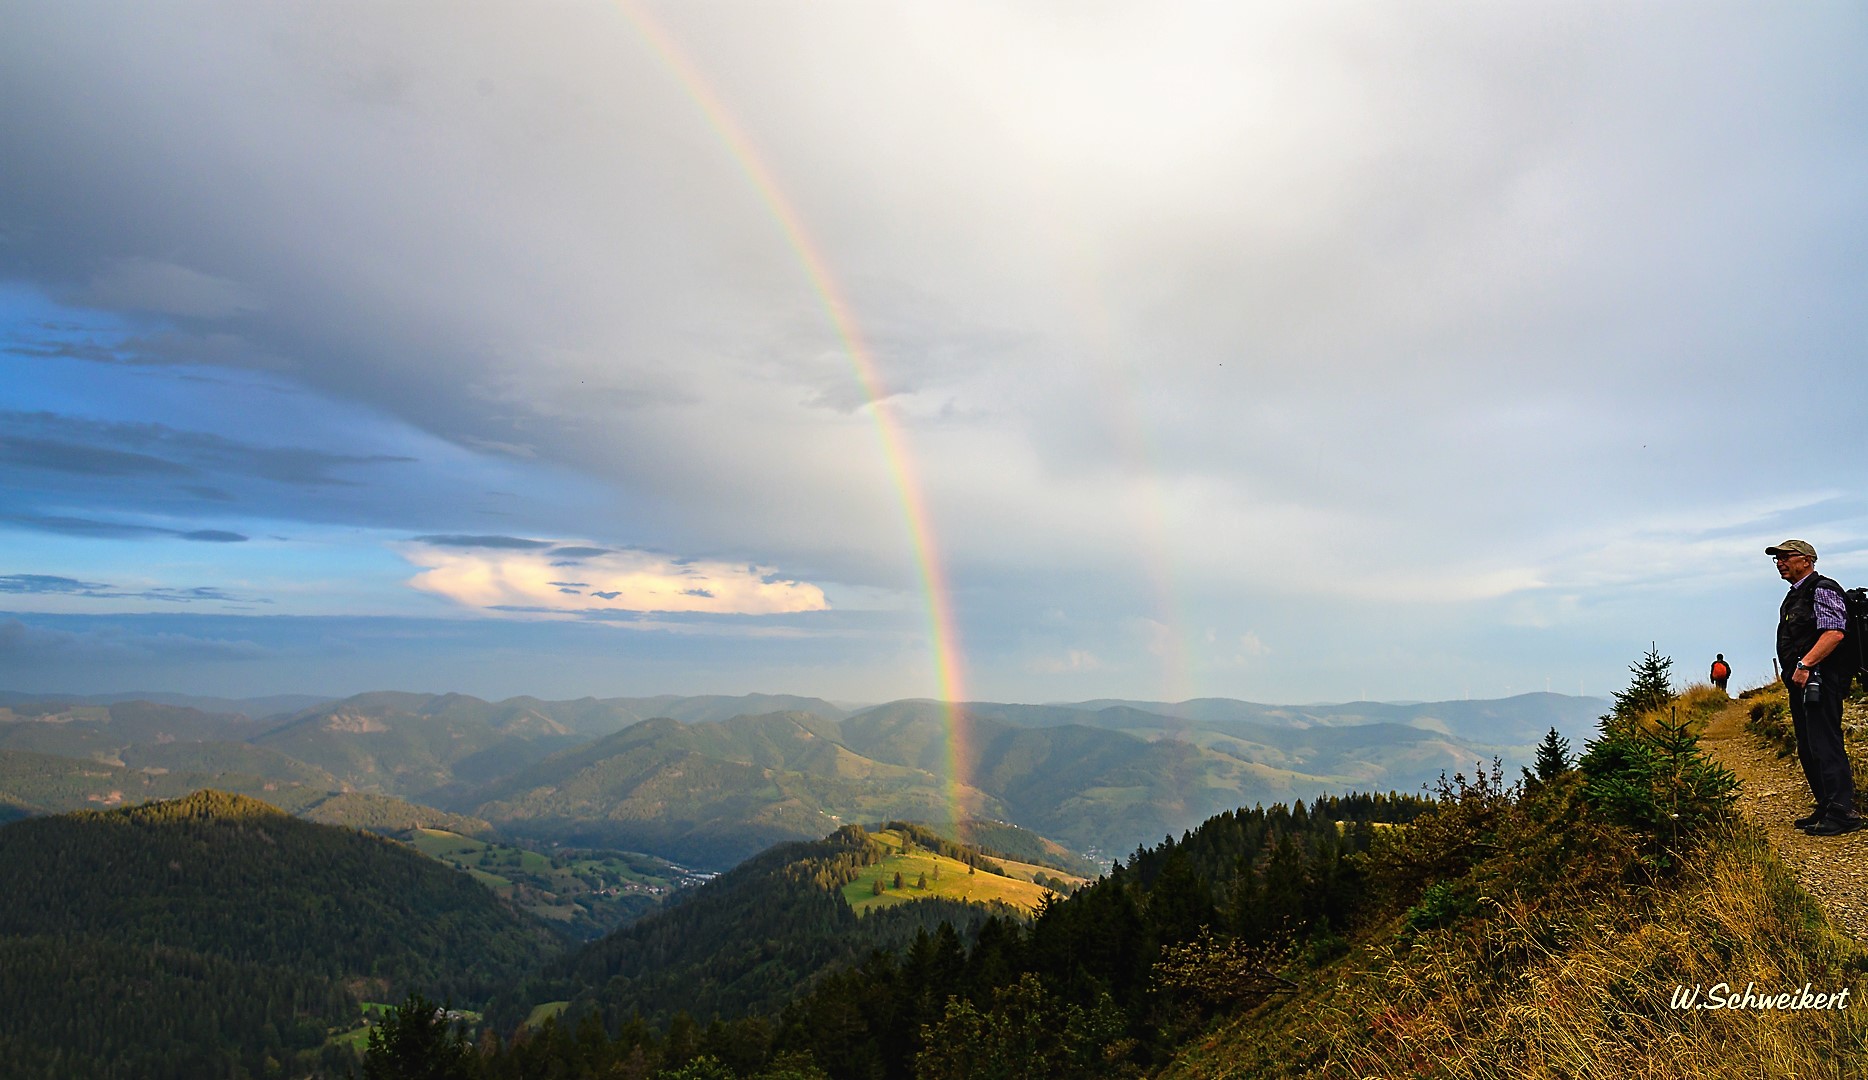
1810,626
1721,671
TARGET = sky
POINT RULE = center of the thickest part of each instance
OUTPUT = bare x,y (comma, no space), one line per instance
1001,351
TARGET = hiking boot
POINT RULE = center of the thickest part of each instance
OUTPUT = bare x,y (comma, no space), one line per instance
1835,826
1810,818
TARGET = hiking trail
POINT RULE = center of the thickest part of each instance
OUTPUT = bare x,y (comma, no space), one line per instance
1772,792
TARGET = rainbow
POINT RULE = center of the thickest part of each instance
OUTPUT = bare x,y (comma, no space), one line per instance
889,431
1129,429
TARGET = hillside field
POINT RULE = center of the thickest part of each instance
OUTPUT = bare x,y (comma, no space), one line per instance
948,879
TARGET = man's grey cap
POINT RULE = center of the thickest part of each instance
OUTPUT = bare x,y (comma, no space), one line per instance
1792,547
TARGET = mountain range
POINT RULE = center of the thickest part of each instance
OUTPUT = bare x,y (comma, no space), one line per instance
711,780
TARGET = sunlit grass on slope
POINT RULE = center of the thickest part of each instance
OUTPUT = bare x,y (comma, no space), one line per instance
924,874
1554,950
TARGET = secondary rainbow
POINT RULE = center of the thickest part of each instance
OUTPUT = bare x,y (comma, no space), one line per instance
889,433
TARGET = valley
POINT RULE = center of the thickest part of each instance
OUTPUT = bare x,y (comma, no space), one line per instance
665,858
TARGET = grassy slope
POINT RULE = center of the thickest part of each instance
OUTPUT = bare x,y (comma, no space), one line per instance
1015,887
1596,1004
1580,987
954,883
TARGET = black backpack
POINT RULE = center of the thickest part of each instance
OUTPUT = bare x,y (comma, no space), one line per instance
1855,646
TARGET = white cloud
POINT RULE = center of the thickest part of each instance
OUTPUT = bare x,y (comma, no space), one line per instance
537,582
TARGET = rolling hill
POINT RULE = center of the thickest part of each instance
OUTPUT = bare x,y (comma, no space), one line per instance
216,933
711,793
105,731
749,939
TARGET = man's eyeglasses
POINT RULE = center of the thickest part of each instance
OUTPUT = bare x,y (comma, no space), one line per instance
1787,558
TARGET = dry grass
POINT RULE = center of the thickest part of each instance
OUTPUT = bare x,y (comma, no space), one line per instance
1586,993
1570,966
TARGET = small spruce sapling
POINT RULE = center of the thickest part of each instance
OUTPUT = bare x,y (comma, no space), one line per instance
1553,759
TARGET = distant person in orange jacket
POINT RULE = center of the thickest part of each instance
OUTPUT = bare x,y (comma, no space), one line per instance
1721,671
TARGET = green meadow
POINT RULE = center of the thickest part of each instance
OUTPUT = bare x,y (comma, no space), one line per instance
924,874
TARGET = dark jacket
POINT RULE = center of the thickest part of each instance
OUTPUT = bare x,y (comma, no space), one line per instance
1797,632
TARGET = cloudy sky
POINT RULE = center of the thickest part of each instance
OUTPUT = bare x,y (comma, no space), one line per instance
1291,352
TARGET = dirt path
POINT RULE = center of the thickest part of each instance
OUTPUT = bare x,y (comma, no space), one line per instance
1772,792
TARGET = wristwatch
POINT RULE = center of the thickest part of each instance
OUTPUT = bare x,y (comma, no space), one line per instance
1801,666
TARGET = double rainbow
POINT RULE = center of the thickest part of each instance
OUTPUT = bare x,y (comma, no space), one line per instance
889,431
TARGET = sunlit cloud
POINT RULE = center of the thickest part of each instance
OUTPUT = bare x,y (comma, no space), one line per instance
531,582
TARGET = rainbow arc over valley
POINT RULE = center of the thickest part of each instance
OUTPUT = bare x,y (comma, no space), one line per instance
890,434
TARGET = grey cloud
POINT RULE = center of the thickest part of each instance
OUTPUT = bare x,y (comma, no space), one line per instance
188,596
204,491
64,349
70,526
115,448
46,583
20,642
580,552
117,530
88,460
170,348
1141,310
513,543
142,284
607,595
570,584
698,592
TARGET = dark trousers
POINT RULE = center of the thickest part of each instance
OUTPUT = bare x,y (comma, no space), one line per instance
1819,745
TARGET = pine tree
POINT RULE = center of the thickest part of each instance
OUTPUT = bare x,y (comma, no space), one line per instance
922,882
416,1040
1553,757
1651,688
898,879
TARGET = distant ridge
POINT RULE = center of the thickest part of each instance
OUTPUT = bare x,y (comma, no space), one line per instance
708,780
257,708
1508,721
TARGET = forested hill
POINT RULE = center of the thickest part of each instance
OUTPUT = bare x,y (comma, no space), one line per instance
1084,990
214,933
750,939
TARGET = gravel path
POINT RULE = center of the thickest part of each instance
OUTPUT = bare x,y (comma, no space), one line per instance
1772,792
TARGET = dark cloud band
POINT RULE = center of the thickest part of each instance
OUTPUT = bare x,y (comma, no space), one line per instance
507,543
116,530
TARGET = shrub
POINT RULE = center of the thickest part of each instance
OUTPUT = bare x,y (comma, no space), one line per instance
1647,773
1442,903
